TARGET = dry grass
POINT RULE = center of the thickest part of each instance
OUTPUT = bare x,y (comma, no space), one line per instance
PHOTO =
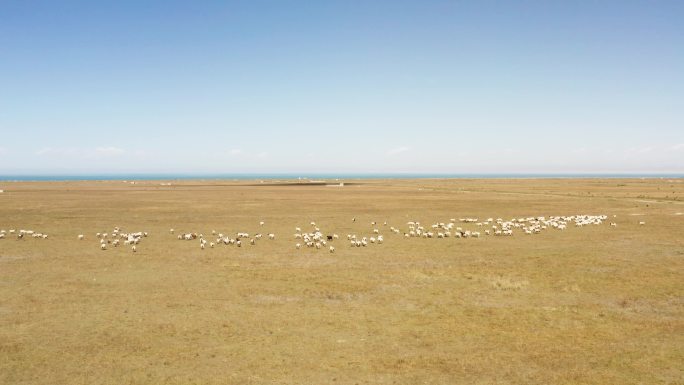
596,305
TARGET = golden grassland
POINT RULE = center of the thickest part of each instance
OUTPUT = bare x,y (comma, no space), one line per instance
591,305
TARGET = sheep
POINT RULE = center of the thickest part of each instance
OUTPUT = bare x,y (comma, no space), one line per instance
81,237
642,223
271,236
261,223
332,249
103,246
134,248
171,231
298,245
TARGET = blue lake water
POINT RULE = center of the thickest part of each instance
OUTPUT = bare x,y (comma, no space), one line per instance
321,176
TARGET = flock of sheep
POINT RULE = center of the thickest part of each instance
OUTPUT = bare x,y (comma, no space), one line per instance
317,239
117,235
23,233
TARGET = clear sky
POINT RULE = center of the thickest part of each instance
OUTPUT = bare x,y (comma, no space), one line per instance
341,86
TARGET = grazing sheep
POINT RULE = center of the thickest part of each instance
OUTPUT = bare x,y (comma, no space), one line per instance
332,249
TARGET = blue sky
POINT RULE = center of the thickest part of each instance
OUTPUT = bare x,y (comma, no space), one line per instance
341,86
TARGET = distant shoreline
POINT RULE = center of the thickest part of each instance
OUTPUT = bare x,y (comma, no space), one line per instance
328,177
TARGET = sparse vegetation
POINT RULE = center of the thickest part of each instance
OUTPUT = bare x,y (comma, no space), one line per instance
598,305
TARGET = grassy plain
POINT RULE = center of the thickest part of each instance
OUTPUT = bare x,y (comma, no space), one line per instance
591,305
